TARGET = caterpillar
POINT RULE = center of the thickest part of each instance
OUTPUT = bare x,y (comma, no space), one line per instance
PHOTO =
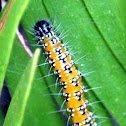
69,77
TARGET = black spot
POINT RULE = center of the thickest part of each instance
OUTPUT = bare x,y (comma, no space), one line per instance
70,109
67,99
77,124
67,95
83,112
79,98
71,115
59,76
76,83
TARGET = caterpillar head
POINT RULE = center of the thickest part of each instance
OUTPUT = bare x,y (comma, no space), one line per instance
41,28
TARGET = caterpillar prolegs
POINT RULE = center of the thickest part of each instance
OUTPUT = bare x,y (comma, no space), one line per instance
69,76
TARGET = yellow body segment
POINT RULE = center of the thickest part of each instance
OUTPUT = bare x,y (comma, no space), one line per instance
70,87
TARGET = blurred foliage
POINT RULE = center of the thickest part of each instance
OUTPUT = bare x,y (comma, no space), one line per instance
18,104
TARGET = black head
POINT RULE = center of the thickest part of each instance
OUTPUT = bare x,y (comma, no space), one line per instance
42,27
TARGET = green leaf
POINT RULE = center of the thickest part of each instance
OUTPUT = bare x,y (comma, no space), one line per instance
8,25
108,24
18,103
111,31
39,104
